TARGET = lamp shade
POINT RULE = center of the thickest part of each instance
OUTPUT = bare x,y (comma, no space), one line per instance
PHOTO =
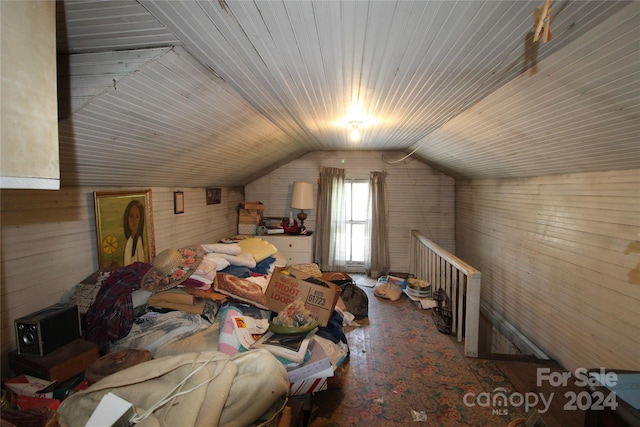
302,196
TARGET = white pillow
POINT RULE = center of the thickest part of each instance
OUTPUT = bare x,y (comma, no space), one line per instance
221,263
222,248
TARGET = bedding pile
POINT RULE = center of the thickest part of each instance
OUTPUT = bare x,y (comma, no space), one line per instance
181,309
192,389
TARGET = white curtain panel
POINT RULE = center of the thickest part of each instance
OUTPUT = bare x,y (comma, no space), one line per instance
331,223
377,245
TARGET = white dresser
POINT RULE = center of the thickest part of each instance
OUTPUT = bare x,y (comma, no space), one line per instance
297,249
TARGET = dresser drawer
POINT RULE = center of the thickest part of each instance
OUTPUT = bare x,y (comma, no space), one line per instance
297,249
286,243
297,257
292,244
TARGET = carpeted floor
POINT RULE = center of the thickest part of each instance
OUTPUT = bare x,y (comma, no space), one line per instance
403,372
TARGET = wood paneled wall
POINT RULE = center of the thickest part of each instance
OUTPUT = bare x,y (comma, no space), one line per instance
560,259
419,197
49,241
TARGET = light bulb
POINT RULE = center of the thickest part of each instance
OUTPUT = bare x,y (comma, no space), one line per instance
355,131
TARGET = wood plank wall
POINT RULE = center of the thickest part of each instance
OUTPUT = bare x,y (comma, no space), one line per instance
560,259
419,197
48,241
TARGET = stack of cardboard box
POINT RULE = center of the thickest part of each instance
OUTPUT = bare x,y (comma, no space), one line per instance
250,215
320,299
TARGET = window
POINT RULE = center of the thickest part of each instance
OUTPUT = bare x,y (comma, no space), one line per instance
357,199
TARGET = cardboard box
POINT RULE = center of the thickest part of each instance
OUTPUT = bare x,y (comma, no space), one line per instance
309,386
26,385
250,213
397,281
257,206
249,218
247,229
319,299
28,402
317,366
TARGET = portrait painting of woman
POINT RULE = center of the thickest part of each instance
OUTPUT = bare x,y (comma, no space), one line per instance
124,228
133,224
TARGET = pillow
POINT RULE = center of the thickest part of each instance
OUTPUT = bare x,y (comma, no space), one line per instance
221,248
241,289
258,248
281,260
221,263
243,260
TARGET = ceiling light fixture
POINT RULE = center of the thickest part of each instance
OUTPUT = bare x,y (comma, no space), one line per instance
354,130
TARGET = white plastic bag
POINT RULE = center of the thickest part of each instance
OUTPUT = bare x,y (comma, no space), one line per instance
387,290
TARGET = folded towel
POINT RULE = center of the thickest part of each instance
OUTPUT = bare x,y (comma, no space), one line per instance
244,259
258,248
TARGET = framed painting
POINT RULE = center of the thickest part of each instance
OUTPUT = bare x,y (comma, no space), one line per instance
124,228
214,196
178,202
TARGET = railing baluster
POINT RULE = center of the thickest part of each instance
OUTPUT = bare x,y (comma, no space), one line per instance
461,281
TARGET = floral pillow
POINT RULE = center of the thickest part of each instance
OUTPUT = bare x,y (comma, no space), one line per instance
241,289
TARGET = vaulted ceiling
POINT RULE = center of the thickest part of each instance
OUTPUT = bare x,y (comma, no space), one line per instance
215,92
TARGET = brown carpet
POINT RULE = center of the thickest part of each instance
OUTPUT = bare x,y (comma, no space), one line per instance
403,372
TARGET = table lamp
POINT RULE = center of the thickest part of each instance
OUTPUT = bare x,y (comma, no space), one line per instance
302,198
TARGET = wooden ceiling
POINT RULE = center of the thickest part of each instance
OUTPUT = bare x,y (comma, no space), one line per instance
214,92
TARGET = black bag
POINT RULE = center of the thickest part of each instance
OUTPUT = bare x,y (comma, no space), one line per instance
355,298
441,314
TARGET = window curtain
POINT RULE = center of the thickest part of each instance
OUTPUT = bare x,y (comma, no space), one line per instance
330,240
377,245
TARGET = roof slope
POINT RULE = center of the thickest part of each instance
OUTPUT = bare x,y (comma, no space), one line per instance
221,92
